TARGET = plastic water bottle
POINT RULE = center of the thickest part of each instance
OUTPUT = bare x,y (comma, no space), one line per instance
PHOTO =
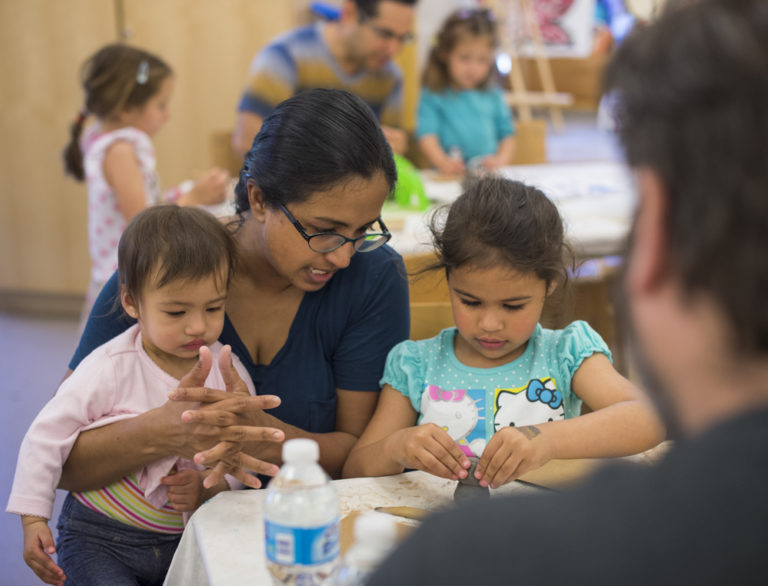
301,519
375,537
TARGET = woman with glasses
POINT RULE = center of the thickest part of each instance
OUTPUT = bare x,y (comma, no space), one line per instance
315,304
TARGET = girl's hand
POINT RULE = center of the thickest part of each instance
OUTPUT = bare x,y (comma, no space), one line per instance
185,489
512,452
451,166
492,162
210,188
429,448
397,139
38,548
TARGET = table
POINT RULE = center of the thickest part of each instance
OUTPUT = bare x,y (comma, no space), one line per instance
595,199
223,543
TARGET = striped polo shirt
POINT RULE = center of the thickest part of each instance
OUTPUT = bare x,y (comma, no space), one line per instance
300,60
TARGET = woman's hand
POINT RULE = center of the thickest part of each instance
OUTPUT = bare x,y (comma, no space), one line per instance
226,420
429,448
38,548
512,452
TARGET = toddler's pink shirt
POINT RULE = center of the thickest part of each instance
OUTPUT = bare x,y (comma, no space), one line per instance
116,381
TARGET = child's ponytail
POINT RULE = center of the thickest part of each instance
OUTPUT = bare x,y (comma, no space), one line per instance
116,78
73,154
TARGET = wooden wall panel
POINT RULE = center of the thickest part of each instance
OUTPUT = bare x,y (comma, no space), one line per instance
210,46
43,241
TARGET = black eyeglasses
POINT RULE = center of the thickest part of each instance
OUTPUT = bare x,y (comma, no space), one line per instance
329,241
386,34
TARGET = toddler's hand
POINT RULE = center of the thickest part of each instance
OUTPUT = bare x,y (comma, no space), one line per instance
210,188
185,489
429,448
512,452
38,548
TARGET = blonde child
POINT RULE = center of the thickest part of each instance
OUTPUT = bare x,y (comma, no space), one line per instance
127,91
463,121
498,386
175,266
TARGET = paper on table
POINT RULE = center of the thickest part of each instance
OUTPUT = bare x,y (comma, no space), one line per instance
557,474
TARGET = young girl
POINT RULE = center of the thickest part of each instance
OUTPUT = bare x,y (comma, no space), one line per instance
175,266
498,386
128,91
462,120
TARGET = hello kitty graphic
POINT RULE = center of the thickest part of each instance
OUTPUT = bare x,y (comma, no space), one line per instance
459,413
537,402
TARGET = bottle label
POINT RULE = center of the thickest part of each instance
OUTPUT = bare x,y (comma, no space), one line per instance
302,545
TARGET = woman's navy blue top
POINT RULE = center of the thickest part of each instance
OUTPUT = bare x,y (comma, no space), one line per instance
339,338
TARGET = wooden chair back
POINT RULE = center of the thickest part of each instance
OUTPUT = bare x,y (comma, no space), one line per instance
430,301
428,318
427,286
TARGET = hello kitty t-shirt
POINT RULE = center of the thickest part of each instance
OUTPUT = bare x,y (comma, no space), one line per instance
472,403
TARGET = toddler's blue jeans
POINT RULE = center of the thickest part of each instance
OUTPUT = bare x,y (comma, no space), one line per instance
95,550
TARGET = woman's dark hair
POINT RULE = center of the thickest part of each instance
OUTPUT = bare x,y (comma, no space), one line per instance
461,24
116,78
500,222
310,142
692,104
164,243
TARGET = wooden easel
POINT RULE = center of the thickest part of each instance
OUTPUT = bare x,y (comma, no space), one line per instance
508,12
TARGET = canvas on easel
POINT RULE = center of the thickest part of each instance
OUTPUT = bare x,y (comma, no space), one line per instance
519,25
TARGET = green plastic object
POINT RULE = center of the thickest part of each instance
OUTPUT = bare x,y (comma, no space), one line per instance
409,189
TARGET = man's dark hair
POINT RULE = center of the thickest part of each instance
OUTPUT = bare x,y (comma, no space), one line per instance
370,8
692,104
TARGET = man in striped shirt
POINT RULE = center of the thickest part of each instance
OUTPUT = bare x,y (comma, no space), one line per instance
353,53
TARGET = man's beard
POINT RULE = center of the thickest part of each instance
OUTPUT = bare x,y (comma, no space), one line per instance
637,358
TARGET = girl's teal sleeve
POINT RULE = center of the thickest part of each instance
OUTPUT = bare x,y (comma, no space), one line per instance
404,371
577,343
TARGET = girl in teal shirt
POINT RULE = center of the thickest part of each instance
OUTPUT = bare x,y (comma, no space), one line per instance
463,121
498,387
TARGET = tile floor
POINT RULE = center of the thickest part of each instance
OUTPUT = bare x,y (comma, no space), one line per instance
34,353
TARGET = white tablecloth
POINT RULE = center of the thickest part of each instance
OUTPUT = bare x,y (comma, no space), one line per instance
223,543
596,201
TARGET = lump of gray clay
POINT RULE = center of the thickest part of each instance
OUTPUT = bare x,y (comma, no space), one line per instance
468,488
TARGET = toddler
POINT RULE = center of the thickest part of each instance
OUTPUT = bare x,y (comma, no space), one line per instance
175,265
